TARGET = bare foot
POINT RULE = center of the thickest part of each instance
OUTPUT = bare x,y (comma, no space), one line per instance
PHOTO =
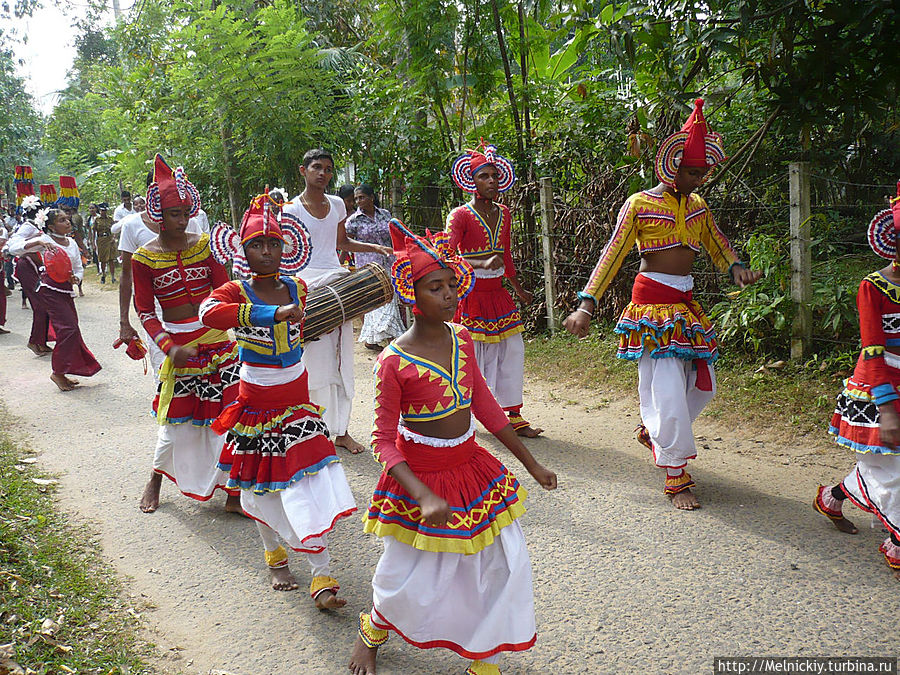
348,444
528,432
150,498
282,579
685,500
74,383
328,600
38,349
61,382
45,349
834,515
233,505
374,346
362,658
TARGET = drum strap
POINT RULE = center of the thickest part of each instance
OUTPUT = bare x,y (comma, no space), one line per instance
340,304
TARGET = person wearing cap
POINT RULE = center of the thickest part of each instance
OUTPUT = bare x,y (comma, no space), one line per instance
277,450
173,273
867,416
455,571
480,231
663,328
328,359
104,243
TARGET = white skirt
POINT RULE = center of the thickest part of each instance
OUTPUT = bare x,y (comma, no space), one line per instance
874,486
306,510
189,456
503,366
476,605
382,324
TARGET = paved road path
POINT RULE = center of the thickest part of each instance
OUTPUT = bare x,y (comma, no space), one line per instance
623,583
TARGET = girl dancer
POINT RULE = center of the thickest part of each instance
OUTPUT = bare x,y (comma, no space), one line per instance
455,572
867,417
61,268
199,375
277,450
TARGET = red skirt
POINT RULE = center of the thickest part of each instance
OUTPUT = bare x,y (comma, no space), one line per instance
207,383
484,497
70,355
276,437
489,312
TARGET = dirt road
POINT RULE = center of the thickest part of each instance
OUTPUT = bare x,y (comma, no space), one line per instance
623,583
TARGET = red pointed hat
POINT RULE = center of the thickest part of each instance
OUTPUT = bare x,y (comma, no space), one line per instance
418,256
895,208
694,146
170,189
261,219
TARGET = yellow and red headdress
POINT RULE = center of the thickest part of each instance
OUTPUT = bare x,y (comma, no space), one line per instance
693,146
68,192
466,166
24,181
883,229
170,189
264,218
418,256
48,194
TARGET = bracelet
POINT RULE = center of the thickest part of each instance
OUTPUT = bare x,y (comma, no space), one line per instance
582,309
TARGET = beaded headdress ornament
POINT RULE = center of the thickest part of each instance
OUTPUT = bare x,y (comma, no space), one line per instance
418,256
694,145
466,166
884,228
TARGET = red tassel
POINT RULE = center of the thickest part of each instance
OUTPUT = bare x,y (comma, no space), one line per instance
704,379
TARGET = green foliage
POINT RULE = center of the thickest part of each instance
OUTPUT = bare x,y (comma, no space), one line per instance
759,318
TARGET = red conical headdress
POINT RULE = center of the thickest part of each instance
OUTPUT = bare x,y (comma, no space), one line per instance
170,189
694,145
418,256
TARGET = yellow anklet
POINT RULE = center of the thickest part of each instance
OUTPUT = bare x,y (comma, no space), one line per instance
482,668
676,484
277,558
371,636
319,584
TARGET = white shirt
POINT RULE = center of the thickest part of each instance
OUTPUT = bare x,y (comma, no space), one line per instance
121,212
322,232
134,233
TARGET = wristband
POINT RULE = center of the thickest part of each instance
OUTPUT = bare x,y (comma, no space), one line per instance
582,309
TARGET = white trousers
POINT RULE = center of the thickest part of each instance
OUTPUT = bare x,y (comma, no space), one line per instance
189,456
473,604
329,362
670,402
503,366
874,483
319,563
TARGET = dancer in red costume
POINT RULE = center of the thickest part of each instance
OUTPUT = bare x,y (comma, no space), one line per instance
199,375
480,231
455,571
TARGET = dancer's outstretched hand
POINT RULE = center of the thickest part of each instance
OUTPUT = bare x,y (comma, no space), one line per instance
744,277
544,476
577,323
290,312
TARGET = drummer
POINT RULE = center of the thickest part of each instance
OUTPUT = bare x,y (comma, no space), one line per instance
328,360
277,450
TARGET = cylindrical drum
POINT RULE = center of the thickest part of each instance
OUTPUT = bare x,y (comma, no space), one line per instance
353,295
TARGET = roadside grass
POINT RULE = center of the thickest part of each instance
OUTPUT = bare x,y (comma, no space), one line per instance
784,399
61,608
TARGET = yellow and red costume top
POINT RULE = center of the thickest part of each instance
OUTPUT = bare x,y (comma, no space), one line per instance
484,496
489,311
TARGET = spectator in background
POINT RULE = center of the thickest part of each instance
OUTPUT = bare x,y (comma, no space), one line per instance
78,234
345,192
370,223
125,208
105,243
139,204
12,224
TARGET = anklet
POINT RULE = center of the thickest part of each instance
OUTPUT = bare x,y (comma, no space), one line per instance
277,558
320,584
371,636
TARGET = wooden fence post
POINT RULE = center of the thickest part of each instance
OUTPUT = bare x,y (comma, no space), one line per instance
547,225
801,261
395,199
